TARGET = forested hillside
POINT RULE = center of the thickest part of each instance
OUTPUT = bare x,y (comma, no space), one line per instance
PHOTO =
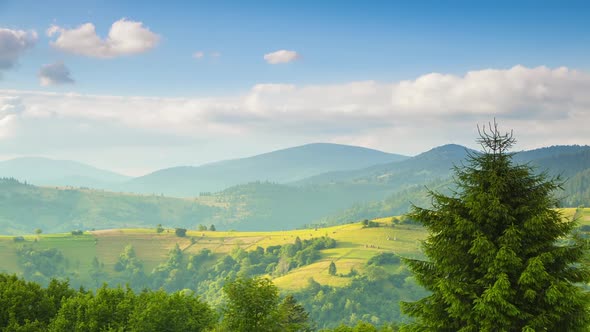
23,208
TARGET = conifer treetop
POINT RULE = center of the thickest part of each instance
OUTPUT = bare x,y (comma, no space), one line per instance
493,141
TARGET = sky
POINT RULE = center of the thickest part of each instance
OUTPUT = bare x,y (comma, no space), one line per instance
138,86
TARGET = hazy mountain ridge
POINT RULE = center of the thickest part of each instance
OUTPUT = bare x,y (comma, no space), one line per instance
572,163
280,166
565,164
379,190
51,172
427,166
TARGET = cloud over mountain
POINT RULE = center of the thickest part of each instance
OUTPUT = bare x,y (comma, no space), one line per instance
543,105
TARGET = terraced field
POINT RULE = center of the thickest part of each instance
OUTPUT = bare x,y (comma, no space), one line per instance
355,245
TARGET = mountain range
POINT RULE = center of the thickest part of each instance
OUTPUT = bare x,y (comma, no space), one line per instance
282,166
311,184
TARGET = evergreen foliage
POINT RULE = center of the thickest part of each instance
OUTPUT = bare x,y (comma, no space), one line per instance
332,269
293,316
180,232
499,257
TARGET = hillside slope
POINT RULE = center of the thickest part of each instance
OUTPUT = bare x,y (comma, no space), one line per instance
433,164
431,170
24,208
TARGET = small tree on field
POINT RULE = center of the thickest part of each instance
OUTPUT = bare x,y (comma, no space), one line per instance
332,269
500,257
159,228
180,232
212,228
38,231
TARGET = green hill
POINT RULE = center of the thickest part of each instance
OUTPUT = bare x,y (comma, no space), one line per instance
24,208
152,248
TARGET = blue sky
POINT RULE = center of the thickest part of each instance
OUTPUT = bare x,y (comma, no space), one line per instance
339,41
336,45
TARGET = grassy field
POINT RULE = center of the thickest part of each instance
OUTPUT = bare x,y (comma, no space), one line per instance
355,245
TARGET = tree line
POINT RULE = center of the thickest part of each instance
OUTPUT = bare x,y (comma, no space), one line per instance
250,305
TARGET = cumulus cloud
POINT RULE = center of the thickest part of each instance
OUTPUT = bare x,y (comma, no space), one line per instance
544,106
281,56
517,92
54,74
13,43
124,38
198,55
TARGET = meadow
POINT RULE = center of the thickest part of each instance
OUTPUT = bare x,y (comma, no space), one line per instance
355,245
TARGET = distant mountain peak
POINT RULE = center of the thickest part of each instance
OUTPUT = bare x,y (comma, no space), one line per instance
449,147
280,166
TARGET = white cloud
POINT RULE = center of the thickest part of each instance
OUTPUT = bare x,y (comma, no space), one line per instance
201,55
10,105
10,108
517,92
54,74
544,106
13,43
281,56
124,38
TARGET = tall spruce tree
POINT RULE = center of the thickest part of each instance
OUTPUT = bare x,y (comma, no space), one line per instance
499,256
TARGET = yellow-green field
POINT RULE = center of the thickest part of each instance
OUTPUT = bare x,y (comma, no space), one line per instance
355,245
